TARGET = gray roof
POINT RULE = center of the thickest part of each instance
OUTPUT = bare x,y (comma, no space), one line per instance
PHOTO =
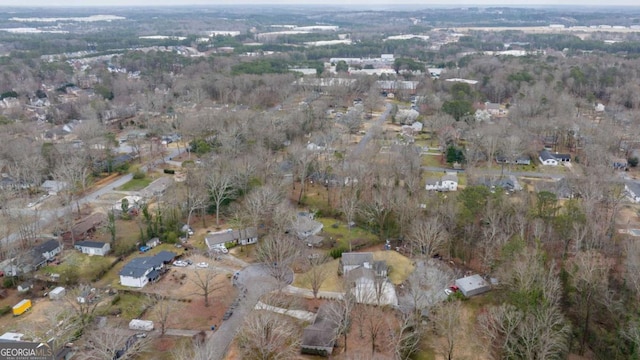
47,246
231,235
355,258
546,155
139,266
165,256
91,244
322,333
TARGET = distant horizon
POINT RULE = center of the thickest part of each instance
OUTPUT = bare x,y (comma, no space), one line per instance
578,4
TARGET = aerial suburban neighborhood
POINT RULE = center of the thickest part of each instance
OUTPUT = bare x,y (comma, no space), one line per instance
300,182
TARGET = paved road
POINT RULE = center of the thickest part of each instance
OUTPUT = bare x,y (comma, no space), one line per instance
256,280
367,137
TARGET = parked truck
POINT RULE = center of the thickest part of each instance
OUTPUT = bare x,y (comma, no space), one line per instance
21,307
144,325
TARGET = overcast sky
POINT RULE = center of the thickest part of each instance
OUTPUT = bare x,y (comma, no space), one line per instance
364,3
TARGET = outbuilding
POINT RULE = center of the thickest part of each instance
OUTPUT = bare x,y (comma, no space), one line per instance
57,293
472,285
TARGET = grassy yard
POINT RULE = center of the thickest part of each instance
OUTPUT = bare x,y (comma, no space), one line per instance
344,236
136,184
401,268
82,267
432,160
130,305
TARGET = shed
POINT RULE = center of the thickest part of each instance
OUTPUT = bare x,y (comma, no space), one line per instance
472,285
57,293
25,286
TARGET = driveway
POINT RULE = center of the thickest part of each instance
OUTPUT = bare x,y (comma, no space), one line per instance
257,282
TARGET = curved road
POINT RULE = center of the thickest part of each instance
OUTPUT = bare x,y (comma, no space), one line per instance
257,282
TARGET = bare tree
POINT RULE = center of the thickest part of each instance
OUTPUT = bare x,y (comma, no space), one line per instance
268,336
350,199
278,253
404,337
82,303
428,236
221,187
197,196
317,274
446,320
109,343
58,323
162,311
204,280
339,312
590,279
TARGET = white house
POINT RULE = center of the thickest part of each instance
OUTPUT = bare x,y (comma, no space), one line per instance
93,247
448,182
632,190
546,158
140,271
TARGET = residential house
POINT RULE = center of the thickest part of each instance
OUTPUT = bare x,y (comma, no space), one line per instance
520,160
48,249
29,261
83,228
305,225
632,190
319,338
93,247
546,158
448,182
53,187
217,239
140,271
352,260
506,183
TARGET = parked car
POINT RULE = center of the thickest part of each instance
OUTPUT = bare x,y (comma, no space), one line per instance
189,262
144,248
202,265
180,263
227,315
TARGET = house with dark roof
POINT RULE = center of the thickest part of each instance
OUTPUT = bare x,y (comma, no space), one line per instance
93,247
48,249
246,236
319,338
546,158
29,261
140,271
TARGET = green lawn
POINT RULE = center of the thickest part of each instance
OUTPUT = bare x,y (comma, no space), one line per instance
130,305
136,184
343,235
79,266
432,160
